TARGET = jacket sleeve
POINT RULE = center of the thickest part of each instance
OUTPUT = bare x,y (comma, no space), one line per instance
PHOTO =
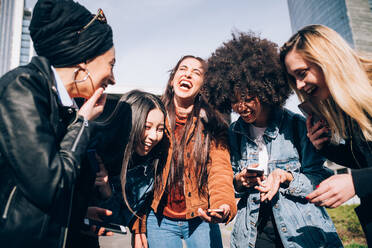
234,158
358,160
312,170
44,168
220,179
362,181
339,154
139,225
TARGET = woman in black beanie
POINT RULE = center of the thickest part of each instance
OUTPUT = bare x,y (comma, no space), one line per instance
43,134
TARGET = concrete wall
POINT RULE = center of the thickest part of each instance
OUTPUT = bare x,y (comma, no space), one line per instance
360,16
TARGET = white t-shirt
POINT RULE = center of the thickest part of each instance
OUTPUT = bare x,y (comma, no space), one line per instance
263,156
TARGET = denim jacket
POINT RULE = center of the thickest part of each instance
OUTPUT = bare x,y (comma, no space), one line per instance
139,191
299,223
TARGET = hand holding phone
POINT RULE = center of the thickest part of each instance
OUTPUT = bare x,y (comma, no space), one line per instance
215,215
217,210
248,177
308,109
109,227
316,126
259,172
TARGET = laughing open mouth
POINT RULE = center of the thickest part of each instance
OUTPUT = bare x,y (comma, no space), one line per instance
246,114
146,145
311,90
185,84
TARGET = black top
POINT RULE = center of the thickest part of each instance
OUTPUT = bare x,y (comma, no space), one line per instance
356,153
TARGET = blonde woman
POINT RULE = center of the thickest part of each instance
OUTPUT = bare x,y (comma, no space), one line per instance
323,69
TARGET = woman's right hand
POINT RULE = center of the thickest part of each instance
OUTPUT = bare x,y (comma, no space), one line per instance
317,133
247,179
93,107
139,240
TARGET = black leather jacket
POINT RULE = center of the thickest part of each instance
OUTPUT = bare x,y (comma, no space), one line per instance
41,144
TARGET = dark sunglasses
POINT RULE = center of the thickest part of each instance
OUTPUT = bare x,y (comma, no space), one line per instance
100,16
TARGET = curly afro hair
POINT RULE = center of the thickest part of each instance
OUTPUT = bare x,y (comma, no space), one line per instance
246,64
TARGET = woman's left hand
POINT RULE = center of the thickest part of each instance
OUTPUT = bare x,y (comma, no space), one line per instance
215,217
333,191
97,214
271,186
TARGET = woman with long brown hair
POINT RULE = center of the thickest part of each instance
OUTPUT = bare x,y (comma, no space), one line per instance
197,180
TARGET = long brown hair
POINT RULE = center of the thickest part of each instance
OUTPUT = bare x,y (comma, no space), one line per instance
209,127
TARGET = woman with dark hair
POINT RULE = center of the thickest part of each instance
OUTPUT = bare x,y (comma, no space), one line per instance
197,175
143,156
142,152
43,134
337,82
274,163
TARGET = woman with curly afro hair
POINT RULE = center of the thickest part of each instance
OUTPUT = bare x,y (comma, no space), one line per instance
275,165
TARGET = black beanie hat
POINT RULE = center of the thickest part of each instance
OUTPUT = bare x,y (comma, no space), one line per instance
57,32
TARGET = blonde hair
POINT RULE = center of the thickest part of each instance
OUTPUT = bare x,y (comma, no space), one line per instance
347,75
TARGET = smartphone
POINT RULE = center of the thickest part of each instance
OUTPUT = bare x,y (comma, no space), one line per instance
217,210
259,171
91,153
112,227
308,109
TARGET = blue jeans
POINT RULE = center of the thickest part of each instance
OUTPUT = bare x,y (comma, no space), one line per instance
165,232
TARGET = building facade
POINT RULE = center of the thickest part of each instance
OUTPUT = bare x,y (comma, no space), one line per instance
15,42
350,18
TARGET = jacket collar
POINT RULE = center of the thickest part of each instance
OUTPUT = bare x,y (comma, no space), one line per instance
272,129
43,65
63,95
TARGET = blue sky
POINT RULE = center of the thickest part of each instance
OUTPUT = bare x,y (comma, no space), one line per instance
151,35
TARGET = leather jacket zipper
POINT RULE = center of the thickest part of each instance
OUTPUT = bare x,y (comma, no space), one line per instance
5,214
65,231
85,124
